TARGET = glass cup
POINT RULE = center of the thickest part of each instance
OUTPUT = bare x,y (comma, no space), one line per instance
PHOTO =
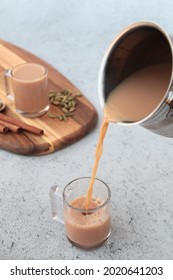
85,228
27,85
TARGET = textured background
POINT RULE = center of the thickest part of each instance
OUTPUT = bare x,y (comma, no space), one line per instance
72,36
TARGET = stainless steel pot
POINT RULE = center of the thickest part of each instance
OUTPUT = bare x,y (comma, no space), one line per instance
139,45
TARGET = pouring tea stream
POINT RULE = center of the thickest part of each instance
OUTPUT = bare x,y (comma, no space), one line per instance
135,84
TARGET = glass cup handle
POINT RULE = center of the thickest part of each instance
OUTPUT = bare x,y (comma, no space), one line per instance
56,204
7,75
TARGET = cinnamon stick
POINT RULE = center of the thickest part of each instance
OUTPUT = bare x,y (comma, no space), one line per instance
9,126
22,125
3,129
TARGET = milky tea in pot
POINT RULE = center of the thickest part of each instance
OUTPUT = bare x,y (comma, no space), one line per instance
135,79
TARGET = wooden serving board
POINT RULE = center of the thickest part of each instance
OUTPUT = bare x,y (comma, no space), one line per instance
57,134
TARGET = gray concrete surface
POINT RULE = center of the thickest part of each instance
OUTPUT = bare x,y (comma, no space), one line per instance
137,165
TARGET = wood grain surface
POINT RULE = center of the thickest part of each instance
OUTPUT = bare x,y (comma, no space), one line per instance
57,134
